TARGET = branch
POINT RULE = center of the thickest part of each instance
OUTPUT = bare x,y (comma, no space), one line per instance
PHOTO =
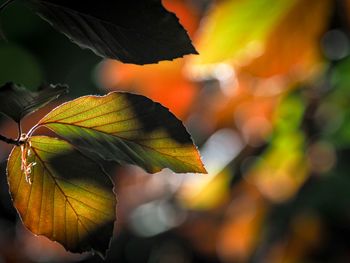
10,141
19,127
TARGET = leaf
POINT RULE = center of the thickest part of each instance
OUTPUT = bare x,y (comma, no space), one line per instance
128,129
70,199
138,32
16,101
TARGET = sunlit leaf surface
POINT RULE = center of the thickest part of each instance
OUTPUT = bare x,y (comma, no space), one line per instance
126,128
61,194
17,102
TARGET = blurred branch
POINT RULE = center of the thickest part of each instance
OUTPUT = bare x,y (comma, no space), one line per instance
236,164
4,5
2,34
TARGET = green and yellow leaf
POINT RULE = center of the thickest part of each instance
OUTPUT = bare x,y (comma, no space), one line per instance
128,129
62,194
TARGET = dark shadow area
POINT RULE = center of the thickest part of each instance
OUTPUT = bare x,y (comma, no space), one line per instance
324,201
76,170
154,116
73,165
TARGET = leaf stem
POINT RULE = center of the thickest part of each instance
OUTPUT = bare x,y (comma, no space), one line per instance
5,4
32,130
19,131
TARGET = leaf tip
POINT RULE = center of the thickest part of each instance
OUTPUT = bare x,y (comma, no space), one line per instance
202,169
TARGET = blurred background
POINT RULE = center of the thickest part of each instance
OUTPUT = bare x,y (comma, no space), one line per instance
268,103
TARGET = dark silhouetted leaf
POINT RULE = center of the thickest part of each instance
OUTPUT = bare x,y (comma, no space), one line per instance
61,194
16,101
138,32
126,128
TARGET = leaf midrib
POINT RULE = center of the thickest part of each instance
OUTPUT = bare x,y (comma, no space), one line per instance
119,137
66,199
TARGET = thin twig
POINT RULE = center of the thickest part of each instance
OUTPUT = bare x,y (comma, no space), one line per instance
10,141
19,131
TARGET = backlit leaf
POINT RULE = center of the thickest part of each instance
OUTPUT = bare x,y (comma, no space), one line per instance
138,32
70,198
126,128
17,102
